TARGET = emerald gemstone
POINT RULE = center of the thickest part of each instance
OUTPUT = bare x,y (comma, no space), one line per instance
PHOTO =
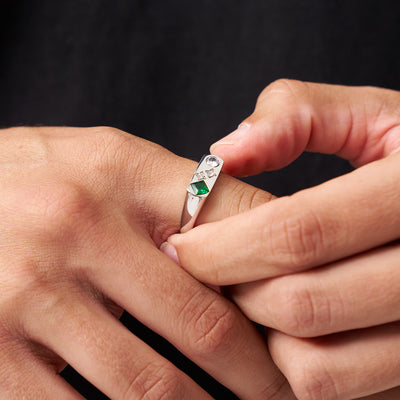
199,188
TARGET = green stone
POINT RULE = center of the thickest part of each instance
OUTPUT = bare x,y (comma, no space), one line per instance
199,188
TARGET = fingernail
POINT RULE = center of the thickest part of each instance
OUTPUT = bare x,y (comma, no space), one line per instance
234,137
170,251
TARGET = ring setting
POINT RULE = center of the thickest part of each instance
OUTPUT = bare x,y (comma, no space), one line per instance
200,186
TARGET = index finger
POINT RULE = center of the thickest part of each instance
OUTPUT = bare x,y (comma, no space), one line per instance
359,124
344,216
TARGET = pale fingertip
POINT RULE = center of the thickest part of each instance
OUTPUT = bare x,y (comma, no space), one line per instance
169,250
234,137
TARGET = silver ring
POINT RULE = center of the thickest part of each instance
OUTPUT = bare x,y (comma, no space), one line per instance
199,188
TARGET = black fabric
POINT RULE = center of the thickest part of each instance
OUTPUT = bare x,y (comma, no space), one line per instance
184,73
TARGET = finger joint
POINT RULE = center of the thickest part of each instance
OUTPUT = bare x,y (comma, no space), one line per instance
303,239
211,326
154,383
314,381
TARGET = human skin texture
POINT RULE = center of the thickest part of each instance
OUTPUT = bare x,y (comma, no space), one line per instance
83,212
319,268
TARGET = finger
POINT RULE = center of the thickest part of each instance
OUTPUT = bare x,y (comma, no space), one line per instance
339,218
228,197
341,366
354,293
203,325
358,124
102,350
24,376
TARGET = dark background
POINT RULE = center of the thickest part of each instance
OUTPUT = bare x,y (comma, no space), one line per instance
185,73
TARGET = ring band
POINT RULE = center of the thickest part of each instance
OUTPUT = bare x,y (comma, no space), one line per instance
199,188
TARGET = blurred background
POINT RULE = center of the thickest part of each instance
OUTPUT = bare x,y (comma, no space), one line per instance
184,74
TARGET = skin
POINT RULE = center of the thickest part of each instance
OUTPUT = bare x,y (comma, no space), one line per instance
320,267
82,216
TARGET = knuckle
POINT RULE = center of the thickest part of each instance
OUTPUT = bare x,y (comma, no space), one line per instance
108,134
303,313
275,389
297,98
287,88
299,239
247,197
107,147
212,327
154,383
59,208
50,300
117,157
313,381
288,319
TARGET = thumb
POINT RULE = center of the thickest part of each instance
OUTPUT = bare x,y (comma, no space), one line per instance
360,124
229,197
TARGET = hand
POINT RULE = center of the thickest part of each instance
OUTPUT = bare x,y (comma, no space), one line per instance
82,213
344,227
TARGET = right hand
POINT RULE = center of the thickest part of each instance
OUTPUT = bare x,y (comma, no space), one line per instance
320,267
82,213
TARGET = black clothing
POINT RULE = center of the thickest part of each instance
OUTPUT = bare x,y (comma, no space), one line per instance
185,73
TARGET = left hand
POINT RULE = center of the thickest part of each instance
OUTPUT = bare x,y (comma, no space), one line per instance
343,226
82,214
